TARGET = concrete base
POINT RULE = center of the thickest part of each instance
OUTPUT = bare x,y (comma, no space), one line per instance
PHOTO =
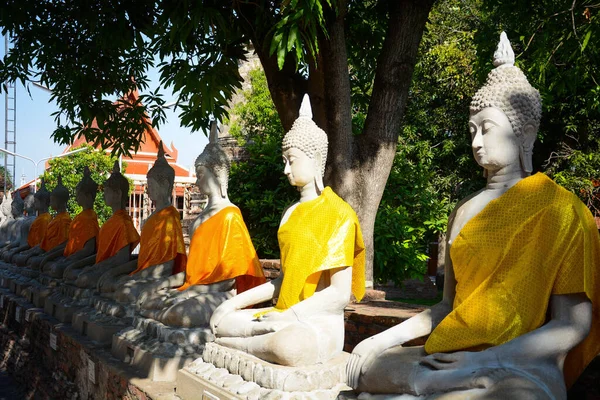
273,376
85,323
149,362
202,380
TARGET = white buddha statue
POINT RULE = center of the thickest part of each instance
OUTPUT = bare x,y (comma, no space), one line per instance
519,315
221,259
322,263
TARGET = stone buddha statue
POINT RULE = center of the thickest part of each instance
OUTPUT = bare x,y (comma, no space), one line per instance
116,239
10,227
221,259
322,263
57,231
519,315
83,230
162,249
21,230
7,217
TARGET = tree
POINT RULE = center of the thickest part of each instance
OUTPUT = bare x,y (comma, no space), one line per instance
71,170
88,51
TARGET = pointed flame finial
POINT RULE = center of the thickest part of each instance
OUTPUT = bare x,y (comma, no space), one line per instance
504,54
305,109
161,150
214,133
116,169
86,171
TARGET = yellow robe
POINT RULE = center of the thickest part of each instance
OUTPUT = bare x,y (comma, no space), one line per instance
162,241
221,249
57,231
535,241
83,228
117,232
320,235
37,230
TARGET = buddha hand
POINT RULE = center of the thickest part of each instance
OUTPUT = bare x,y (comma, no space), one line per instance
361,359
462,360
227,307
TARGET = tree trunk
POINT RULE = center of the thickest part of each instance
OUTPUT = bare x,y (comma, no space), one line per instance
376,147
357,167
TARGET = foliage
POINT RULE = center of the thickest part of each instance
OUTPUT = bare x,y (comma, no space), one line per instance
9,184
556,46
257,185
71,168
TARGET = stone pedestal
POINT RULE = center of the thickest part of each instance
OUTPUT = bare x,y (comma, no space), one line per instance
159,351
224,373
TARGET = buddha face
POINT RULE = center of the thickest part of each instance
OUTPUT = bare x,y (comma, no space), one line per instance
15,210
494,142
112,197
206,181
157,189
300,169
55,202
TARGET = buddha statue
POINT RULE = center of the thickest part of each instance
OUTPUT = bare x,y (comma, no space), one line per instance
7,217
84,228
519,315
322,263
116,239
10,231
221,260
56,233
21,230
162,250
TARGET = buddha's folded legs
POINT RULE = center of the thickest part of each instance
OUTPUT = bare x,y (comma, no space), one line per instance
193,312
34,262
398,370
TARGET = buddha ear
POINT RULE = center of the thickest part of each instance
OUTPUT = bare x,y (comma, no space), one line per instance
318,176
528,137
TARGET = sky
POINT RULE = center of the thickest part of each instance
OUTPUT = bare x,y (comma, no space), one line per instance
35,125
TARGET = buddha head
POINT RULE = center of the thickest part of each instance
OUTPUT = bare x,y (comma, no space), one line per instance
17,206
30,205
212,167
116,189
42,198
160,177
505,115
59,196
304,150
86,190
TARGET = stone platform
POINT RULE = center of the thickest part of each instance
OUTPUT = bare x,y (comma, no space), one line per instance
225,374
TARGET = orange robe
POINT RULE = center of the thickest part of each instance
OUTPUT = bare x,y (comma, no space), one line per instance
162,241
37,230
117,232
83,228
221,249
57,231
534,241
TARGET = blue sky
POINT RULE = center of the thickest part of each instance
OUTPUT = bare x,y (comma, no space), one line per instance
35,125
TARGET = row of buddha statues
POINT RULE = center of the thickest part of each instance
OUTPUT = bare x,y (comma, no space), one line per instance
520,312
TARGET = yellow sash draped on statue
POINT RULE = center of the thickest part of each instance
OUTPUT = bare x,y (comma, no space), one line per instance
162,241
117,232
37,230
320,235
83,228
535,241
221,249
57,231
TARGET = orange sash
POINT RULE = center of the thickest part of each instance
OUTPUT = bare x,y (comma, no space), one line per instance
221,249
57,231
162,241
37,230
115,234
83,228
